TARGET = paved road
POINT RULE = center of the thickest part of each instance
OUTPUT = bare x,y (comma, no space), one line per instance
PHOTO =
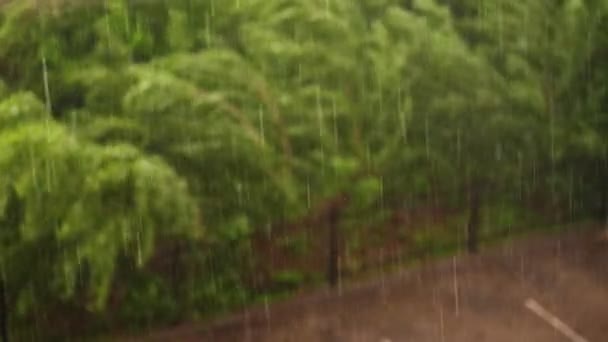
463,299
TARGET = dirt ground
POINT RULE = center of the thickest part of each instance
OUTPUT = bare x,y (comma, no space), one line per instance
460,299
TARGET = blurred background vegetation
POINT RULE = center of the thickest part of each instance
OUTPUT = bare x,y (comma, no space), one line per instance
171,160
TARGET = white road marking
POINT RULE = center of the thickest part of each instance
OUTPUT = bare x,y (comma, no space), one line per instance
555,322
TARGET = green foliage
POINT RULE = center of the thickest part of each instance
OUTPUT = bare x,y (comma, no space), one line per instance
81,208
434,242
21,108
296,245
152,293
288,280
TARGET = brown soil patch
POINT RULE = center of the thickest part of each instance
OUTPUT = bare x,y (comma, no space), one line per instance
464,298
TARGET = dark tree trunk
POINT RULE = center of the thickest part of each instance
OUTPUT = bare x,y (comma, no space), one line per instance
3,312
474,220
603,188
14,216
333,240
603,208
332,262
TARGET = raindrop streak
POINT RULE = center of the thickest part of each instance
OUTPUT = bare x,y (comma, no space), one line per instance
498,152
319,111
207,29
455,285
320,116
267,312
45,79
107,22
334,116
327,11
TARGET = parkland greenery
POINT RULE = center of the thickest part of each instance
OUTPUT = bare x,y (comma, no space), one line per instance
167,160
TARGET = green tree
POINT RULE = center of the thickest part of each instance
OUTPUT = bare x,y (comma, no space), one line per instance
72,209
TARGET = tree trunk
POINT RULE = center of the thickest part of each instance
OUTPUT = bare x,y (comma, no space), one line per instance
603,188
474,220
333,240
603,207
3,312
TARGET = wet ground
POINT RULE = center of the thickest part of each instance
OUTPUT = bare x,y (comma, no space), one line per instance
460,299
